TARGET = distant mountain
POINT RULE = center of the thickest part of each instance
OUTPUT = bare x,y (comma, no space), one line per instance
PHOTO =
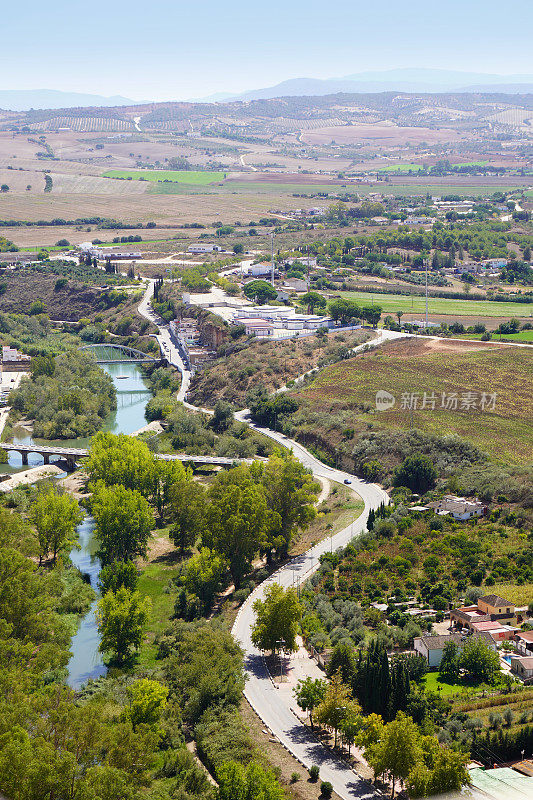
25,99
428,81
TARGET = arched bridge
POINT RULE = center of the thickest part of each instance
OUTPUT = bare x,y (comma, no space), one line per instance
72,454
118,354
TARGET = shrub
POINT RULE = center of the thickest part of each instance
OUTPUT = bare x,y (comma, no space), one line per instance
326,789
314,773
295,777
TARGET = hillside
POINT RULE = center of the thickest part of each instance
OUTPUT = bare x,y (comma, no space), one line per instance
338,409
248,364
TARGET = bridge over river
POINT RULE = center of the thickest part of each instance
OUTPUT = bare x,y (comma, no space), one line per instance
72,454
109,353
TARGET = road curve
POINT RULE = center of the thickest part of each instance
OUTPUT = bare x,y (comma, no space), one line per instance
259,690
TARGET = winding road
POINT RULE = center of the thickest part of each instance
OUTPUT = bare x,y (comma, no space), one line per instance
260,692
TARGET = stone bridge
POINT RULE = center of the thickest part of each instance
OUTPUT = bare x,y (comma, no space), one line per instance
72,454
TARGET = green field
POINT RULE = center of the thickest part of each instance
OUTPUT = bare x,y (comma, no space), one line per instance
430,682
402,168
192,178
391,303
419,167
523,336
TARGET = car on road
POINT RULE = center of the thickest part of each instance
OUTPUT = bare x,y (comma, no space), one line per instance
347,481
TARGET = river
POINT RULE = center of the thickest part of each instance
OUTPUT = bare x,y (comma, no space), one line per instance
132,396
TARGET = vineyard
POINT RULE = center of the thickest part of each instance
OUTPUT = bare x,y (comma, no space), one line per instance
343,395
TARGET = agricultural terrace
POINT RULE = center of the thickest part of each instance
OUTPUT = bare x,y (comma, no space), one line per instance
391,303
191,177
340,402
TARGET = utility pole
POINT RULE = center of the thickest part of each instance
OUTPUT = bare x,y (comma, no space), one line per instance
272,257
307,267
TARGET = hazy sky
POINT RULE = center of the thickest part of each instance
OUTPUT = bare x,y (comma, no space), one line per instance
170,49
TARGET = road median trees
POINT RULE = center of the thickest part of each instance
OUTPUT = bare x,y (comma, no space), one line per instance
309,693
277,619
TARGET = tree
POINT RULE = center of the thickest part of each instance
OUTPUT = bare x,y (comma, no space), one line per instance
399,314
291,493
236,782
309,693
344,311
312,300
449,665
204,576
441,770
165,476
116,574
479,661
277,619
124,521
371,314
147,702
122,460
4,188
56,517
238,248
187,503
260,291
237,520
417,473
336,706
398,751
121,617
222,416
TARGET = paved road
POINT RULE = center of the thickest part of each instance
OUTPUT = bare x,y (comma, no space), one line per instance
259,691
168,348
264,698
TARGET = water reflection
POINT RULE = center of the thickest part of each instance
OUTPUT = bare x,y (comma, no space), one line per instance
132,396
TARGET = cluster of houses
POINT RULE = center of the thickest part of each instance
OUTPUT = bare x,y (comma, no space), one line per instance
495,620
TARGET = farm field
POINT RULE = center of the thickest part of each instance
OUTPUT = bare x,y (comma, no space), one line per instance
522,336
336,397
192,177
456,308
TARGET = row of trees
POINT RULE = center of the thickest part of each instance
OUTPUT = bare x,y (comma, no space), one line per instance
396,750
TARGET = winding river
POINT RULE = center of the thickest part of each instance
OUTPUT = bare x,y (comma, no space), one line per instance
132,396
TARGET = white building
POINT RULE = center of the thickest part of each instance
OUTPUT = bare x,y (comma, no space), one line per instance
258,327
522,666
204,248
458,507
432,647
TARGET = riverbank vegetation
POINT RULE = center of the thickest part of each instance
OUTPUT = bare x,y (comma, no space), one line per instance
67,396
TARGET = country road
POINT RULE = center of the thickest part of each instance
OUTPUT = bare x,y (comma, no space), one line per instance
260,691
